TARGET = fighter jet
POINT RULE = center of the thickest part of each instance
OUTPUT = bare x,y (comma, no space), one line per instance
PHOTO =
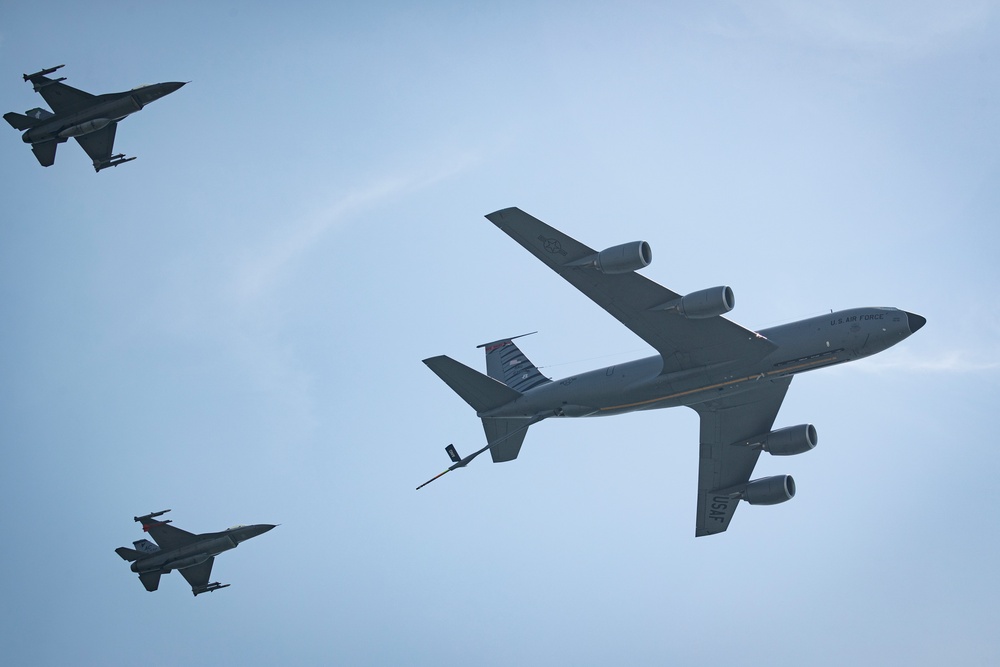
177,549
734,378
90,119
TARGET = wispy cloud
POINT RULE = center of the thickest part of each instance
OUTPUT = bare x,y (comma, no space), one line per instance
215,304
256,274
901,29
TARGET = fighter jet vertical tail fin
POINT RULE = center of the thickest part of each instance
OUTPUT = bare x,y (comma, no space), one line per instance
480,391
145,547
505,362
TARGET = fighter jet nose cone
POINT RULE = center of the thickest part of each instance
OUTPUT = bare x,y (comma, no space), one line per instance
914,321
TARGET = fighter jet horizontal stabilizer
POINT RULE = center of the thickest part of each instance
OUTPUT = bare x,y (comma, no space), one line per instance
43,72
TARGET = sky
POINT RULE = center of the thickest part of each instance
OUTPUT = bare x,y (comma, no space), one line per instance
232,327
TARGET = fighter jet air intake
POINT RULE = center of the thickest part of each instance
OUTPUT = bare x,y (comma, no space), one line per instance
90,119
176,549
734,378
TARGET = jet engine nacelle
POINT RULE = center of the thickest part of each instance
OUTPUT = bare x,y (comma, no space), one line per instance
624,258
703,303
769,490
788,441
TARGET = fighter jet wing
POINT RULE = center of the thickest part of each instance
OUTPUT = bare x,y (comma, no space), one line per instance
99,144
198,575
166,536
724,465
633,300
59,96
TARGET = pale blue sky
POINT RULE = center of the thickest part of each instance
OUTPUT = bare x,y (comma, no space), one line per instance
232,326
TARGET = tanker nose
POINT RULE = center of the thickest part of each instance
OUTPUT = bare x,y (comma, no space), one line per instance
914,321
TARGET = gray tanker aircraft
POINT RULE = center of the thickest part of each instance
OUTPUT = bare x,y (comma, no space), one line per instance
90,119
734,378
176,549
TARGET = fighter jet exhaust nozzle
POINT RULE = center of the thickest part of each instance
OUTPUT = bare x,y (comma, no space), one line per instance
703,303
769,490
85,128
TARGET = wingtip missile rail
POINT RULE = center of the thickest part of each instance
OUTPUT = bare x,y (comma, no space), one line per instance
146,517
209,588
44,72
112,161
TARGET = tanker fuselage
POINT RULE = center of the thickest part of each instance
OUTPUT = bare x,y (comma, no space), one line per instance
641,384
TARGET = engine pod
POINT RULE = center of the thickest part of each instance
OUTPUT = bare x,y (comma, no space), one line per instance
789,441
624,258
703,303
769,490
